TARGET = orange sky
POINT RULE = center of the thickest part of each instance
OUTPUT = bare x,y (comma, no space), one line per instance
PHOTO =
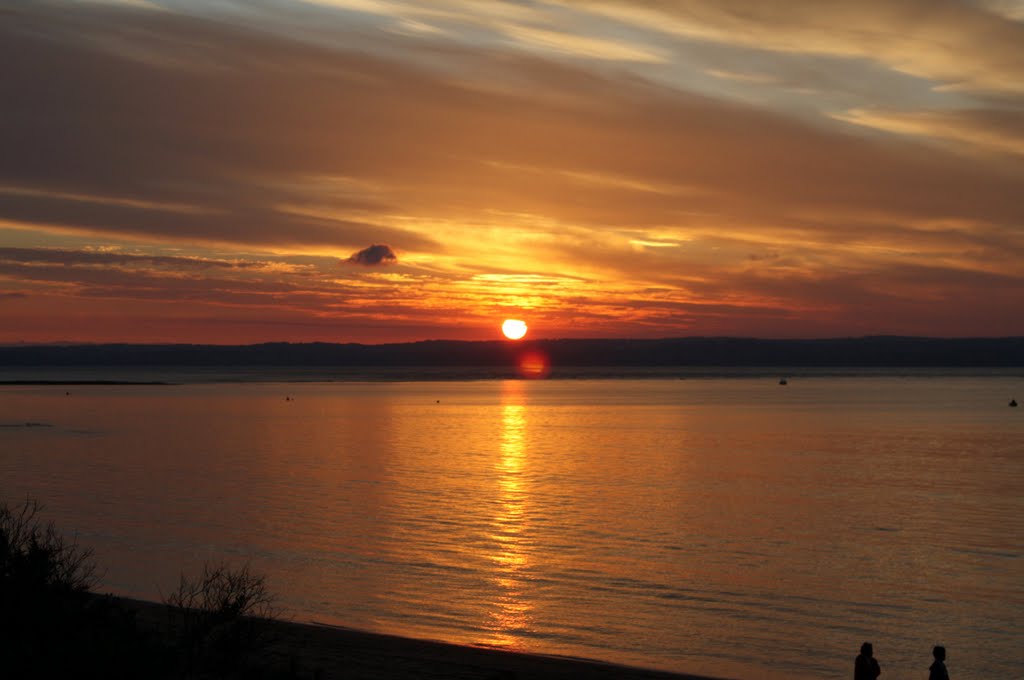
185,171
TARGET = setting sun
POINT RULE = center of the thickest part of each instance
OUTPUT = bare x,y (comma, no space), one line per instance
513,329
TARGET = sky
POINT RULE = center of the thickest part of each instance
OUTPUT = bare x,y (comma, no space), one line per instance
375,171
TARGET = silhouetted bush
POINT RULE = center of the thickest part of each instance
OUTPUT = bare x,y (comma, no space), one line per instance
219,620
50,624
34,557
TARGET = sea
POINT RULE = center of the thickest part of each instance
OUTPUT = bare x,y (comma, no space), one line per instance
711,521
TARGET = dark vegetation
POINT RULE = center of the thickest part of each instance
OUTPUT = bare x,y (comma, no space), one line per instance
878,351
216,620
53,624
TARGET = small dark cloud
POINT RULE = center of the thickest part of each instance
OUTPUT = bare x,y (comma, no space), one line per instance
374,255
13,296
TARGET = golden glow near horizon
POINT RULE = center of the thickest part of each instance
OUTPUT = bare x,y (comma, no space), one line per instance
514,329
610,169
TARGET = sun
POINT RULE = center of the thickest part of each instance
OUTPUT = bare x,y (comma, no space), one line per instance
513,329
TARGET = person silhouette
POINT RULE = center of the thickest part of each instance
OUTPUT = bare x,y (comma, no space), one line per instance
937,671
865,666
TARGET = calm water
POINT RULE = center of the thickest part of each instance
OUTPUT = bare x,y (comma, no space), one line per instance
725,526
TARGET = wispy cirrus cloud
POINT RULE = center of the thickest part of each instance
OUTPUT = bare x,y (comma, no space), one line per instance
969,130
955,44
106,257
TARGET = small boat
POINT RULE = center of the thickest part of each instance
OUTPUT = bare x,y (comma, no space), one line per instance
783,381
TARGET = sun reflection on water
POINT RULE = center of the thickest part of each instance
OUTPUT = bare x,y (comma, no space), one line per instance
512,611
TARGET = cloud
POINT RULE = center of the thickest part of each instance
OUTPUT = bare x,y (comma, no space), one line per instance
977,130
370,256
593,48
106,258
142,145
410,142
954,43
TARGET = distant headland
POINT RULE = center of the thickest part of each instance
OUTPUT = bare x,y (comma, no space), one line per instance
873,351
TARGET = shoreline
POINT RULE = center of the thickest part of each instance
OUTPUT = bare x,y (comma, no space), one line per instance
325,651
73,383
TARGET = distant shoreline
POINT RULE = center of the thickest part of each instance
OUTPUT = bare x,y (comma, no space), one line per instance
694,352
177,376
84,382
173,376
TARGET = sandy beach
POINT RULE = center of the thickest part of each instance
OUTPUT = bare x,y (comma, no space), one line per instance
329,652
